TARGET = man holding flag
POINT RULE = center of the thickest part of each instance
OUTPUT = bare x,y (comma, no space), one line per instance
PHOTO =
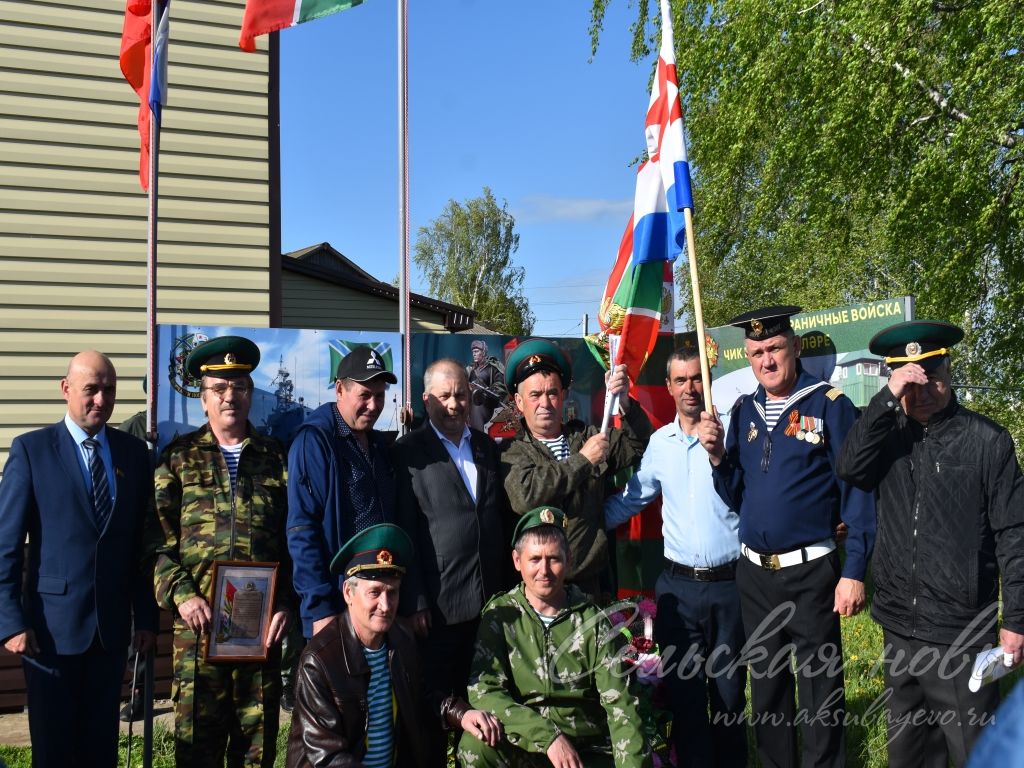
565,465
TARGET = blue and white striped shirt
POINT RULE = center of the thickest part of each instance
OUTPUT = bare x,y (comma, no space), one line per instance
380,719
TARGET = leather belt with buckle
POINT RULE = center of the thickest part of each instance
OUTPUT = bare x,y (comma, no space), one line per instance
725,572
774,562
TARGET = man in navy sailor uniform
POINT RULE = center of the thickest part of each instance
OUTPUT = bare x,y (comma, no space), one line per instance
776,466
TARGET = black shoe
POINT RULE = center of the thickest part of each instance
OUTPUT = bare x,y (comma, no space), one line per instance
287,698
132,711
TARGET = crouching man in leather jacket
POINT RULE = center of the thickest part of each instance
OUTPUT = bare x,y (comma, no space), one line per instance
357,688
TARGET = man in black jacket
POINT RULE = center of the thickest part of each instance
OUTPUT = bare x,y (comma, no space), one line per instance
450,502
950,522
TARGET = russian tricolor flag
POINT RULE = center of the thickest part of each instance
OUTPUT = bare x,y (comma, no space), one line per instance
144,66
663,182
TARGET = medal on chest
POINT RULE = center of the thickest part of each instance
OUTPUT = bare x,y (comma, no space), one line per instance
810,430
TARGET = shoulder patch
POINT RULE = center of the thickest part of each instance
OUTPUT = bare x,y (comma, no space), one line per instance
834,393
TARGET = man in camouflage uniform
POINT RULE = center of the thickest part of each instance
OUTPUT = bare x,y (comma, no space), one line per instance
548,666
221,495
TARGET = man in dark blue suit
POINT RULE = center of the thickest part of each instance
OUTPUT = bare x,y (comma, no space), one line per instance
78,492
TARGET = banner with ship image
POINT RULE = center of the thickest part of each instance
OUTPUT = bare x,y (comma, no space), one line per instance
295,375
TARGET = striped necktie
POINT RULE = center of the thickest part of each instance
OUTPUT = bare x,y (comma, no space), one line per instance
101,503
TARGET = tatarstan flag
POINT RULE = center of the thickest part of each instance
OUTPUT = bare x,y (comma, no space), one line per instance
265,16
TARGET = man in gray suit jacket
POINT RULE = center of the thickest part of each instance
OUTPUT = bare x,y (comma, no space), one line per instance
450,502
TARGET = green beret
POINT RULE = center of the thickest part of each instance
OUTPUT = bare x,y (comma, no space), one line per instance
925,342
761,324
535,355
225,357
380,550
538,517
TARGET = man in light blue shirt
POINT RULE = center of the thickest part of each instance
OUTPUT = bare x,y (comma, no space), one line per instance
698,626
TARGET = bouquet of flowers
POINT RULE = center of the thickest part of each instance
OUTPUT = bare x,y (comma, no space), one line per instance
635,619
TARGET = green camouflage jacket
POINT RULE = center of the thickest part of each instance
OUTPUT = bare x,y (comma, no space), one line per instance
533,478
567,678
198,522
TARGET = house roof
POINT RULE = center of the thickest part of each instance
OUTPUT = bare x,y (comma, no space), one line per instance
323,262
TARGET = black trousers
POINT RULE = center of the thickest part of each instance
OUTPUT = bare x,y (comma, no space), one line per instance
73,706
446,656
932,716
788,613
700,632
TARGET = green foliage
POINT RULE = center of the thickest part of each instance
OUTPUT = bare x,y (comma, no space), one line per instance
848,152
465,255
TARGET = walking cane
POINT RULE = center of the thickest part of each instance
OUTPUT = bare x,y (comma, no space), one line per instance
131,709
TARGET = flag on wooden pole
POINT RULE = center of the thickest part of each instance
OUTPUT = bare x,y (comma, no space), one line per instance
265,16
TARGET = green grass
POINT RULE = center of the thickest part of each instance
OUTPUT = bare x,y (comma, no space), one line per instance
865,734
163,750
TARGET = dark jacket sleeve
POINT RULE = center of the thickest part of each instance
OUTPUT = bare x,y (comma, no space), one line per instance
857,506
16,504
861,459
318,736
1006,516
408,516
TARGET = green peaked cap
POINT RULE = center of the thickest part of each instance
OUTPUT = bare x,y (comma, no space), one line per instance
380,550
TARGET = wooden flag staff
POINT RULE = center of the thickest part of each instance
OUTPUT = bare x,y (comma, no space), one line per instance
698,310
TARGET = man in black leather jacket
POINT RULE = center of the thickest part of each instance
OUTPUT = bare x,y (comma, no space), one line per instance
950,522
359,675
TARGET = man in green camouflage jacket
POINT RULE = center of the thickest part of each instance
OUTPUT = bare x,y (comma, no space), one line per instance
221,495
548,666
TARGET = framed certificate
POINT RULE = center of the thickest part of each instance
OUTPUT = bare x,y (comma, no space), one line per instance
243,602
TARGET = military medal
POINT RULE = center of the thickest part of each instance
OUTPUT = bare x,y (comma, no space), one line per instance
810,431
752,433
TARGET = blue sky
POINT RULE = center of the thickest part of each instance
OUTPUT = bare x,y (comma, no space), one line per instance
501,95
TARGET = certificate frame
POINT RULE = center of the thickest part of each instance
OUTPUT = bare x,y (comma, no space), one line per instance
243,602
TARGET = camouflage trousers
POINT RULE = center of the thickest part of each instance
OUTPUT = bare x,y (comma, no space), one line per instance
224,709
473,753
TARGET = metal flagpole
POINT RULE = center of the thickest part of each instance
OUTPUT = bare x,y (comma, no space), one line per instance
403,203
151,383
151,242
